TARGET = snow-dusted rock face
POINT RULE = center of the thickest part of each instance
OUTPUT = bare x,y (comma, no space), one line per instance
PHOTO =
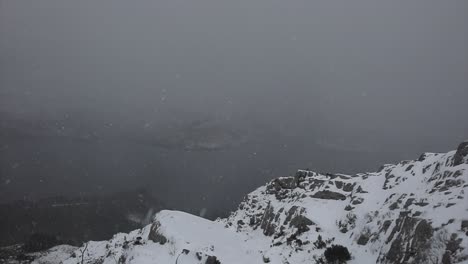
411,212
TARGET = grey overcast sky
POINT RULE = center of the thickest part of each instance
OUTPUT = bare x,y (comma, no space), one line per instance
334,79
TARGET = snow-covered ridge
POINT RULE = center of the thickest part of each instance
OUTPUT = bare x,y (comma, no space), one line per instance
411,212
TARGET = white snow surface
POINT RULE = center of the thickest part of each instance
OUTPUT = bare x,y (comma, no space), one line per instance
430,191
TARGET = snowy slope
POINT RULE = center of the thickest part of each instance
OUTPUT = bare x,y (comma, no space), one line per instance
411,212
179,236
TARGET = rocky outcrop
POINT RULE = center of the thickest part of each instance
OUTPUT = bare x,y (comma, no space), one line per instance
274,223
268,223
379,210
155,235
409,239
461,156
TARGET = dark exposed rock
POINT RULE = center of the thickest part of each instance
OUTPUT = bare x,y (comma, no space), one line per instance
451,249
301,223
291,212
454,243
348,223
301,174
395,230
339,184
449,183
411,237
319,243
386,224
295,217
329,195
426,168
388,176
464,225
348,187
360,190
409,167
446,174
363,239
404,213
437,168
138,241
155,235
408,203
417,213
393,206
285,183
212,260
268,225
337,254
422,204
457,174
461,156
390,197
357,201
422,157
272,226
315,184
281,187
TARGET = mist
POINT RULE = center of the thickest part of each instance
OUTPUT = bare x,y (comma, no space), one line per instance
91,92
